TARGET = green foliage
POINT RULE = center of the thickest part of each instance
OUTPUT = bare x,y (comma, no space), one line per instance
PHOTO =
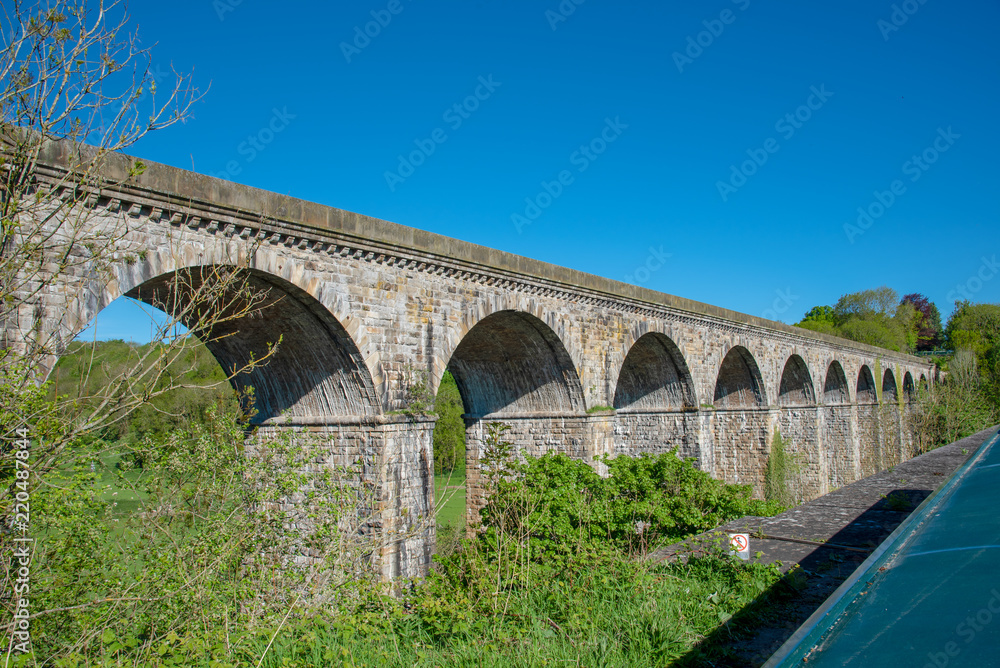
24,403
552,573
88,367
968,399
873,333
561,506
197,573
615,613
449,431
866,304
820,319
929,330
819,314
782,469
976,328
876,317
204,545
193,568
817,317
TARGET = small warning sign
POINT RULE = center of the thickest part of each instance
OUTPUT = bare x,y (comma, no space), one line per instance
739,544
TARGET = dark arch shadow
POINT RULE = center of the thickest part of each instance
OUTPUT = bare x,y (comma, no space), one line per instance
317,372
909,390
796,387
889,387
866,392
739,383
654,375
835,389
512,362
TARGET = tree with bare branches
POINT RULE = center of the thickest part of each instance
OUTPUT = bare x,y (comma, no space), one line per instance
74,74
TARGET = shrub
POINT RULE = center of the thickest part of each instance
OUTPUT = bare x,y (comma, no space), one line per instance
562,506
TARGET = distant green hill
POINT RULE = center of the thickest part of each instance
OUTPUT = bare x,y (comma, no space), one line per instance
88,367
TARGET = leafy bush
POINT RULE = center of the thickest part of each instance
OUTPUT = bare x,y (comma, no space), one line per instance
204,544
562,506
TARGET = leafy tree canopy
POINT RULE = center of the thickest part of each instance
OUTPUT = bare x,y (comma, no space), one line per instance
975,328
876,317
929,330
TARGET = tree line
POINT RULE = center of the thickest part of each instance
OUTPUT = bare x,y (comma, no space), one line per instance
967,351
880,318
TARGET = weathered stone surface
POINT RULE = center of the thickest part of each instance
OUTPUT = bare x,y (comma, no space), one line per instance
365,308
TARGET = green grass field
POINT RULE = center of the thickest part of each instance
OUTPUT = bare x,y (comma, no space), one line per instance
129,500
449,498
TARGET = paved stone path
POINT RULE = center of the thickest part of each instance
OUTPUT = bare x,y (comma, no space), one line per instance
815,536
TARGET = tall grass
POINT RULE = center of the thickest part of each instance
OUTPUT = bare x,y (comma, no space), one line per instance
553,576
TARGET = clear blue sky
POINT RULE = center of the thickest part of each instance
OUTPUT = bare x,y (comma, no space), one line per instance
880,95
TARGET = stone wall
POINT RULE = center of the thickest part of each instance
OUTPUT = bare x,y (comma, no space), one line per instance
870,439
389,461
741,442
802,427
657,432
840,446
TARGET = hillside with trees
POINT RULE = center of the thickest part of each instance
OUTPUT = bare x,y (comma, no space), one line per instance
877,317
195,380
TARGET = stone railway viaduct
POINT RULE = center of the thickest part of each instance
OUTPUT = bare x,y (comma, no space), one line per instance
366,307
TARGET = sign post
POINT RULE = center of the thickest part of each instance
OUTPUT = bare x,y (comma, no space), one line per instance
739,544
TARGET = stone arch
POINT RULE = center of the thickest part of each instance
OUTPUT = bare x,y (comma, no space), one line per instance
511,362
909,389
739,383
796,387
889,388
317,372
511,367
480,310
102,289
835,388
924,385
866,392
654,375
